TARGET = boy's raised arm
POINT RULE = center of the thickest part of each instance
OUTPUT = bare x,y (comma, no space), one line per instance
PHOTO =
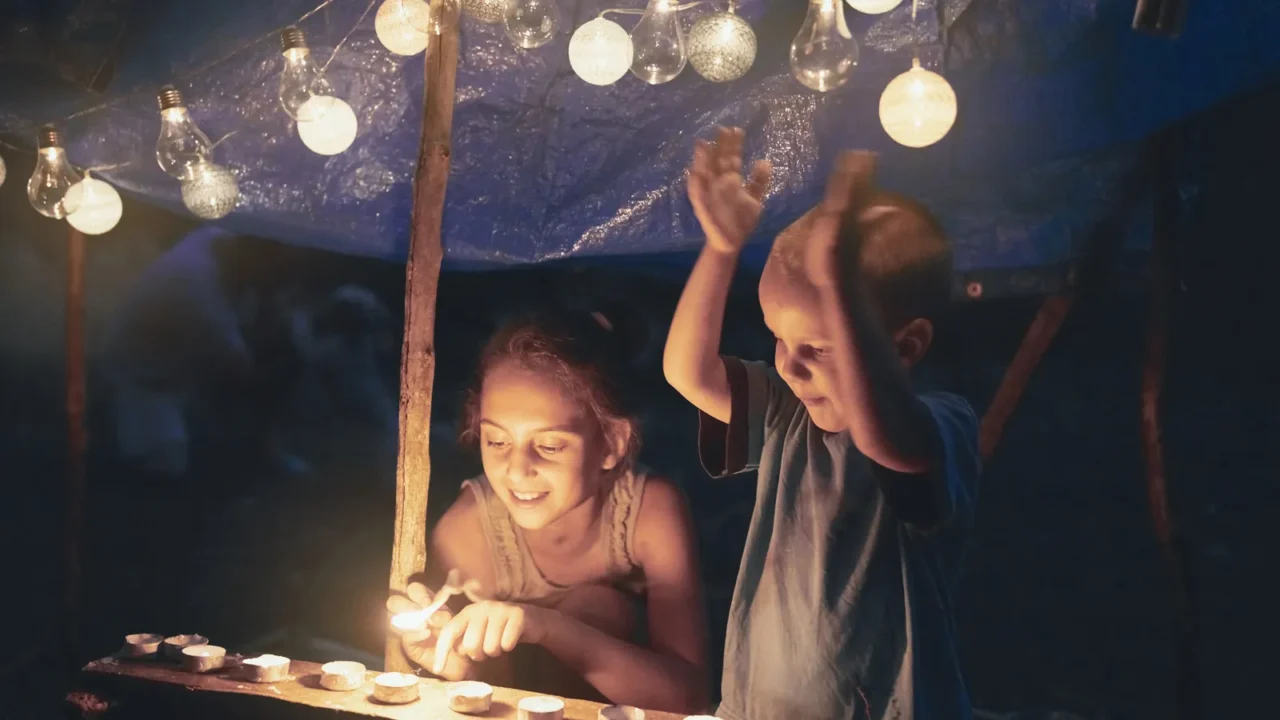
728,209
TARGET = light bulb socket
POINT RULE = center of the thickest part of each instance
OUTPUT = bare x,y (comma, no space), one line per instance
170,98
291,38
48,137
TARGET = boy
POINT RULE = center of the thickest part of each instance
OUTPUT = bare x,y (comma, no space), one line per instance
842,607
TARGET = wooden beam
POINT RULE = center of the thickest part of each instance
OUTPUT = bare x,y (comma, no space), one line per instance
77,443
138,688
422,277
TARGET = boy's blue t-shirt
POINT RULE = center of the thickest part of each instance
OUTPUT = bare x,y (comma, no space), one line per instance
843,604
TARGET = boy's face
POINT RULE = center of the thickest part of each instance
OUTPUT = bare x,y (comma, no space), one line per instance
803,354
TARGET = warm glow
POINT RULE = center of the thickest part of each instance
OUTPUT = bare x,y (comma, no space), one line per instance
600,52
918,107
873,7
211,192
97,206
722,47
401,26
327,125
409,621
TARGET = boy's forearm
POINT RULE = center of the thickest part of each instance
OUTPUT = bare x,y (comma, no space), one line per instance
887,421
691,360
626,674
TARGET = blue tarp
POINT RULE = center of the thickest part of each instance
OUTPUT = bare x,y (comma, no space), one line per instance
1056,97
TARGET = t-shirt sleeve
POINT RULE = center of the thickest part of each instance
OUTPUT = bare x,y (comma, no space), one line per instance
931,501
759,402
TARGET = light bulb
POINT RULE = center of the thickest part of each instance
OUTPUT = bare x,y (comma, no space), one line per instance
326,125
600,52
531,23
918,107
53,176
98,206
658,43
488,12
181,144
722,46
873,7
824,53
301,78
211,191
400,26
3,171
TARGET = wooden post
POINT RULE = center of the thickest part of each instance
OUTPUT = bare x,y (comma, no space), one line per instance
422,276
77,441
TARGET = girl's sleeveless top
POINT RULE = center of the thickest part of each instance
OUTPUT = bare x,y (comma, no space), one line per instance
517,577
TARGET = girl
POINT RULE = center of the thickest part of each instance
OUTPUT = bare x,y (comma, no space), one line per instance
564,533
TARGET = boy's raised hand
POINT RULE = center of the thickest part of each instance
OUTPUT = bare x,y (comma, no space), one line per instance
727,206
850,184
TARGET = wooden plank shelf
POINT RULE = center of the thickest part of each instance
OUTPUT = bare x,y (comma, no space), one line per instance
148,689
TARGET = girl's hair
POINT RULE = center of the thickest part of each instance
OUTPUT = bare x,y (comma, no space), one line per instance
582,355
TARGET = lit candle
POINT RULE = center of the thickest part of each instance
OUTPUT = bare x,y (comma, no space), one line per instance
395,688
141,645
173,646
620,712
541,707
342,675
470,697
203,658
267,668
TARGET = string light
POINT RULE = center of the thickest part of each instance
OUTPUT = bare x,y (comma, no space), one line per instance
824,53
531,23
181,144
97,206
600,52
52,178
658,43
873,7
326,124
401,26
722,46
918,108
211,191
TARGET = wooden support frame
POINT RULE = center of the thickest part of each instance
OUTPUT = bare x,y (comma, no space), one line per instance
422,278
77,442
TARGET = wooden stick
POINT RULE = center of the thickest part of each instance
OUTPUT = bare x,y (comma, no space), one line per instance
77,440
1163,284
422,276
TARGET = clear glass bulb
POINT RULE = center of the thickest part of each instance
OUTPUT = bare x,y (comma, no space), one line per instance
181,144
53,176
824,53
658,42
531,23
301,78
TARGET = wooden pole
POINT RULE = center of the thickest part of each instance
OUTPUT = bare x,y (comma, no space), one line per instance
77,441
422,277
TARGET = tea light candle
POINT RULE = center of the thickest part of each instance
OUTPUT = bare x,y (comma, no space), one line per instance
541,707
342,675
267,668
620,712
470,697
203,658
173,646
395,688
140,645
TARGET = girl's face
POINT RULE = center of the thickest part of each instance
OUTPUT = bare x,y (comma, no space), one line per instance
541,450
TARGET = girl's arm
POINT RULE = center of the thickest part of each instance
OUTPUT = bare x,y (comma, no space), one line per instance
670,674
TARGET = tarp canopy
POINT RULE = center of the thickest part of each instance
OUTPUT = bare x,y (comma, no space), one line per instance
1056,97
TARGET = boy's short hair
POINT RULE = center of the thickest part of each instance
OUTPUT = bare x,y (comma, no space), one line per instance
905,257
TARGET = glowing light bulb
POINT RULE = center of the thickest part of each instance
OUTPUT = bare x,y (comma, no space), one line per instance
401,26
873,7
600,52
211,191
52,178
824,53
3,171
722,46
327,125
918,107
658,42
97,206
488,12
531,23
301,78
181,144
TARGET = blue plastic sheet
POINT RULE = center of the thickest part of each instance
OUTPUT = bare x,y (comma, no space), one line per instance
1055,98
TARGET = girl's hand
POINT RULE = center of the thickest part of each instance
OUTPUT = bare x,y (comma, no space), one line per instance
488,629
420,645
847,189
727,206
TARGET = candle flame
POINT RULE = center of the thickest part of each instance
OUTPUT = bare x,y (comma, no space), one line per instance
406,621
